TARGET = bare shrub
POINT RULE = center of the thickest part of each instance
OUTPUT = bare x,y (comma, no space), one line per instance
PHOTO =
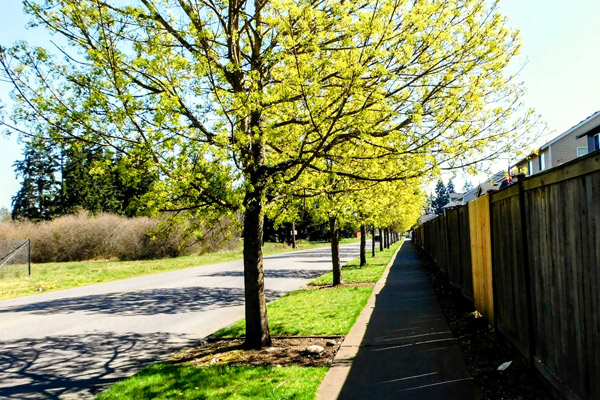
82,236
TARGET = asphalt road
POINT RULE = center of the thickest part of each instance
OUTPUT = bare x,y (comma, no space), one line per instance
74,343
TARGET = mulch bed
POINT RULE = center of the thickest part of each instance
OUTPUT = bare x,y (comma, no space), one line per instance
284,351
483,348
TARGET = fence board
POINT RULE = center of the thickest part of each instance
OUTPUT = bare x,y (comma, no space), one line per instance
510,282
481,256
453,247
465,253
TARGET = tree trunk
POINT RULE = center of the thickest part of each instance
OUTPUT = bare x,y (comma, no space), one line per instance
387,238
257,325
373,242
335,251
380,239
363,246
293,235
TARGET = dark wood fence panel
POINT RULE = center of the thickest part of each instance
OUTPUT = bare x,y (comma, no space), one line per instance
509,270
453,261
465,253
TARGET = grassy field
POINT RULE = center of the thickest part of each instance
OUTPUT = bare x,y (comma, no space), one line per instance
328,311
15,282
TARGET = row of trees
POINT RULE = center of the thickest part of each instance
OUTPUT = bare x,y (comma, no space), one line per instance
253,106
61,179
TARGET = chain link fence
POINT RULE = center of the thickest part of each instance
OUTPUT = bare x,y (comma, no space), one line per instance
15,258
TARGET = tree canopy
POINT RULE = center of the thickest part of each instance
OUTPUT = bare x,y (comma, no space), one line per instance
229,100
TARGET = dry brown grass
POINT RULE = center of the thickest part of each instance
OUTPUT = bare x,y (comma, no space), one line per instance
81,237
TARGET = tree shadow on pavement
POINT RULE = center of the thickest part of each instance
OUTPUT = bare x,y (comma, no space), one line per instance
324,254
78,366
277,273
145,302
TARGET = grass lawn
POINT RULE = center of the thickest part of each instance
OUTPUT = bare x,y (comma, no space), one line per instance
165,381
327,311
330,311
15,282
352,273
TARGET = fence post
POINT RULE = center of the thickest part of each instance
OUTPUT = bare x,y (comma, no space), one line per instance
528,281
29,256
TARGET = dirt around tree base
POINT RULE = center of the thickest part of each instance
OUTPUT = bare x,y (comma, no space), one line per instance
483,348
284,351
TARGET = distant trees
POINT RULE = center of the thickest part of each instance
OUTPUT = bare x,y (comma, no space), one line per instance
60,179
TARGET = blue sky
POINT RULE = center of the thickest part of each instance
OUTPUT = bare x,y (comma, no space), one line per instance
560,48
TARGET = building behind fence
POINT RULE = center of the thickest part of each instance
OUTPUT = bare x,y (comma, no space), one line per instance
528,257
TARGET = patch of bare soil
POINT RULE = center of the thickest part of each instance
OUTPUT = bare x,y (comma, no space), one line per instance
284,351
483,348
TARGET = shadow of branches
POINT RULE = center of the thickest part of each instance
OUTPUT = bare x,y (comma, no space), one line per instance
278,273
77,366
145,302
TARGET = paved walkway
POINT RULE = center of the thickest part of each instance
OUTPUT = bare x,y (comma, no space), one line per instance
405,350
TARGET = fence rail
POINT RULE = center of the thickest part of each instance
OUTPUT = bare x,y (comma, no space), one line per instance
528,257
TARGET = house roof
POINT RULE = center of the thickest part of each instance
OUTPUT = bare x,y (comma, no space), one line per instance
492,183
582,127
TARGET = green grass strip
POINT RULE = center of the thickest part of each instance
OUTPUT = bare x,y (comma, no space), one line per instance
165,381
352,273
330,311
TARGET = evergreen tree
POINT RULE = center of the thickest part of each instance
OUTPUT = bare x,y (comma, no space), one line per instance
441,198
450,188
468,187
36,200
83,189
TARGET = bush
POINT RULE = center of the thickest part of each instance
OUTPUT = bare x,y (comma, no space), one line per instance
81,237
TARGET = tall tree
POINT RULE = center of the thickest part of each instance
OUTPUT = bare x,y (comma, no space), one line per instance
37,198
228,100
441,198
450,187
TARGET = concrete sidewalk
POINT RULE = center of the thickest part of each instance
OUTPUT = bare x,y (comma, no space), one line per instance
401,347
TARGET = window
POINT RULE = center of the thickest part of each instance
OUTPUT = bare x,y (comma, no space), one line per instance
581,151
597,142
542,162
530,168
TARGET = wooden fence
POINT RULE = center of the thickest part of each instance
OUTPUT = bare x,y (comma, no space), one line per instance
529,256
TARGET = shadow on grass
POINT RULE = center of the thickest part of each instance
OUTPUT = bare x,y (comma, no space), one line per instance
77,365
145,302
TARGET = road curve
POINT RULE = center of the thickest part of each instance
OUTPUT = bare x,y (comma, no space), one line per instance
74,343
